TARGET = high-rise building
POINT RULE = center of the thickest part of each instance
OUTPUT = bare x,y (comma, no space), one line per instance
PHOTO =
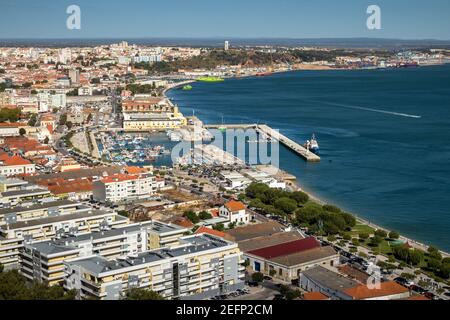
74,76
227,45
65,55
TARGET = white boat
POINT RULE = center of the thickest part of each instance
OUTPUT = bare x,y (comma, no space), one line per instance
313,145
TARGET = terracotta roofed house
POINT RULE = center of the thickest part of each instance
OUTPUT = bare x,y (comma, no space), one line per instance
210,231
315,296
15,165
387,291
235,212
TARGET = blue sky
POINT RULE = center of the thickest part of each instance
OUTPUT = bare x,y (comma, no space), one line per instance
405,19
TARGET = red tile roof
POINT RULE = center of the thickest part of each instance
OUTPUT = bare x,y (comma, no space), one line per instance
75,186
285,249
234,205
13,160
119,178
210,231
315,296
386,289
12,125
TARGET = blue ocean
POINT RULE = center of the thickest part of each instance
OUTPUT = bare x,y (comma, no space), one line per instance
384,138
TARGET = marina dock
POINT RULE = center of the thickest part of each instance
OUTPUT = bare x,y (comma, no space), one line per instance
269,132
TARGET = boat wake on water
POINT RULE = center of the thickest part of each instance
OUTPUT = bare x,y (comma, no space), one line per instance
368,109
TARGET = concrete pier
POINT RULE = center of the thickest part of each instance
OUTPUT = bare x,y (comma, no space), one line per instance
270,133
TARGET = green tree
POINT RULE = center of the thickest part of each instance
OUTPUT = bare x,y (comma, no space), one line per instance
286,204
46,140
331,208
364,236
192,216
10,115
219,227
415,257
331,238
381,233
300,197
434,264
33,120
14,286
63,119
444,271
375,241
293,294
204,215
22,131
394,235
347,237
408,276
258,277
69,125
434,253
142,294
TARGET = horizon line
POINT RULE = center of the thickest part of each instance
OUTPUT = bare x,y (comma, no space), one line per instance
225,37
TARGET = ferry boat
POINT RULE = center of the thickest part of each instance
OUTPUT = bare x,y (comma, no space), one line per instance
313,145
210,79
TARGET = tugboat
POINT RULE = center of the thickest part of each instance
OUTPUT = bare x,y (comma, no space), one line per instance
313,145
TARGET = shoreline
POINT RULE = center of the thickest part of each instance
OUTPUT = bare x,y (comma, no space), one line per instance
412,242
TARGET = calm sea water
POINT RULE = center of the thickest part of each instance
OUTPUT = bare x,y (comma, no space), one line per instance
384,137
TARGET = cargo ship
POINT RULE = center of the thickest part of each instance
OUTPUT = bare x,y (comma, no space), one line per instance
210,79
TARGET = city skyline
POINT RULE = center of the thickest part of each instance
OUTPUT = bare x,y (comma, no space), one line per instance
202,19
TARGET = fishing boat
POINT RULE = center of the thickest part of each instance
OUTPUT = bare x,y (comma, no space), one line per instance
313,145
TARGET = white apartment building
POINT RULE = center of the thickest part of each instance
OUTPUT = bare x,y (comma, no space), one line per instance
43,261
14,235
201,266
38,209
124,187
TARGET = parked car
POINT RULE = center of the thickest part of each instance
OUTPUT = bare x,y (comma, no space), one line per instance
430,295
404,282
418,289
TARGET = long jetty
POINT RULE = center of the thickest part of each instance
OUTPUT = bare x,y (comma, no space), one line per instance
270,133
